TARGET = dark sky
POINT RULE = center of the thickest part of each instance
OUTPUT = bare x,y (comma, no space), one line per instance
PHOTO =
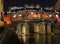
9,3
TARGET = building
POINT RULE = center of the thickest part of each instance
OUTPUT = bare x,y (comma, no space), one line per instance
1,5
57,5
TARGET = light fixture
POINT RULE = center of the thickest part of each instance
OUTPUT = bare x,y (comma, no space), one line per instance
31,12
57,16
20,15
50,15
14,16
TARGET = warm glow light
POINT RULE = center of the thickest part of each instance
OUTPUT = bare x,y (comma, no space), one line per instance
14,16
7,19
34,15
39,15
57,16
50,15
20,15
24,29
31,12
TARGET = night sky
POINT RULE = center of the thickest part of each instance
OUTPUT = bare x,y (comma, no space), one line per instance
43,3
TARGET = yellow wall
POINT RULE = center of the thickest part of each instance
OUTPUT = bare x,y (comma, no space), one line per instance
1,5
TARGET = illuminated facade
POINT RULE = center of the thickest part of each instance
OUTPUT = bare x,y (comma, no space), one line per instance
1,9
1,5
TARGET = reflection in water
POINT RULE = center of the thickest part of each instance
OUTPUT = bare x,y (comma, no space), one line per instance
40,39
19,29
35,39
42,28
36,36
39,28
24,37
36,28
35,33
24,29
49,28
